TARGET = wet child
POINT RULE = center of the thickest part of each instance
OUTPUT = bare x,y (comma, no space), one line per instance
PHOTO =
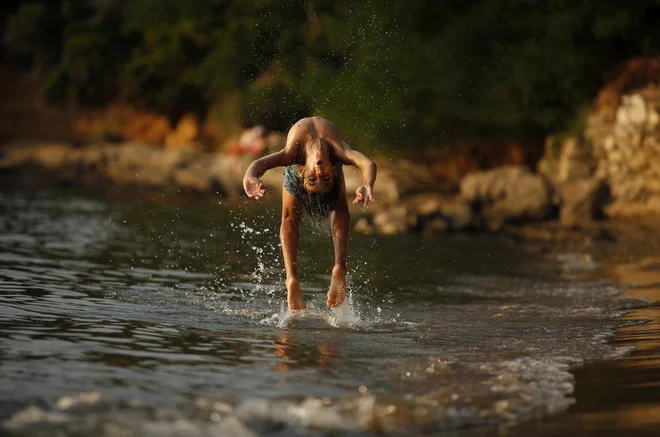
314,184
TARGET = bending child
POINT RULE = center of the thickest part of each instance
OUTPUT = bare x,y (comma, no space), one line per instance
313,184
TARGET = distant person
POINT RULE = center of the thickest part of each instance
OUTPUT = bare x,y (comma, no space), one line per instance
253,142
313,184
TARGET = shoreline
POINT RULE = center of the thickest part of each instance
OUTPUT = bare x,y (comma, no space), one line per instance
620,396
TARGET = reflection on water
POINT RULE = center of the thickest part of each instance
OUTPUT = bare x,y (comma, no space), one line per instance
636,406
295,355
619,397
136,318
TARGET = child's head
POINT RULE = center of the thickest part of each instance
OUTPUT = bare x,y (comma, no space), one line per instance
318,174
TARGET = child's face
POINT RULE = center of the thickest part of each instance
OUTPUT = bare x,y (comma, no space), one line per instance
318,175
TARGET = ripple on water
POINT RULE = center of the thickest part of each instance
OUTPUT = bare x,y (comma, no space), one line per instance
154,320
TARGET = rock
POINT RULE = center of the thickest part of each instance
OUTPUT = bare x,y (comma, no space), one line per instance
409,177
186,132
386,191
582,200
435,224
627,149
635,210
507,194
566,160
575,160
48,155
454,211
143,165
129,164
194,177
394,221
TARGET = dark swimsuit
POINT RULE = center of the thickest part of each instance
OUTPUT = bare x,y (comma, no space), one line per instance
316,205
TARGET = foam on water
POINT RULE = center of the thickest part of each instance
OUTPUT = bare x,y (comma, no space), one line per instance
443,394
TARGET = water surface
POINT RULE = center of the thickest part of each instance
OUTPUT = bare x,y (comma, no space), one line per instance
139,318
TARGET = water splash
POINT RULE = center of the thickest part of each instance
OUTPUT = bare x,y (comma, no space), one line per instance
347,316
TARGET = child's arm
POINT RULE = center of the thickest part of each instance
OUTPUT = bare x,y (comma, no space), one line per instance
348,156
364,193
251,182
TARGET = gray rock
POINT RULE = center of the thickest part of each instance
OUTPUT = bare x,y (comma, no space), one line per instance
507,194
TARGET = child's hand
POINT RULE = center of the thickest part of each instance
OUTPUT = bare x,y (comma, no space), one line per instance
363,194
253,187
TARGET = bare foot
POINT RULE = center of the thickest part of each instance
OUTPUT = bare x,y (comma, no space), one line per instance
294,296
337,292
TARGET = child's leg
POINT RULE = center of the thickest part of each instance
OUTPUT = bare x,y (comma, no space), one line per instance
340,222
290,239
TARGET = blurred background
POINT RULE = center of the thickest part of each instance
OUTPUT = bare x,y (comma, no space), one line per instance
396,76
456,85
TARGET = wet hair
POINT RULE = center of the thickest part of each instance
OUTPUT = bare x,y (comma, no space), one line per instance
319,206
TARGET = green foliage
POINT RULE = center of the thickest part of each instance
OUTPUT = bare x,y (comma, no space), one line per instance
391,74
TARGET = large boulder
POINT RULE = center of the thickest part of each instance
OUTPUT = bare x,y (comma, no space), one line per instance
507,194
570,166
627,148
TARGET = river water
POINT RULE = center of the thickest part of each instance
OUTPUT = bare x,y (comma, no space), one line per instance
142,318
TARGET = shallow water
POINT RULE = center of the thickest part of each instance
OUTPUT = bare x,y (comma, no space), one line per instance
137,318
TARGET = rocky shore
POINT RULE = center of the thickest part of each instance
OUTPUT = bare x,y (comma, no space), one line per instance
601,186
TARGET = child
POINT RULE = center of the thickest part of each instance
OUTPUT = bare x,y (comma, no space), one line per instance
313,184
